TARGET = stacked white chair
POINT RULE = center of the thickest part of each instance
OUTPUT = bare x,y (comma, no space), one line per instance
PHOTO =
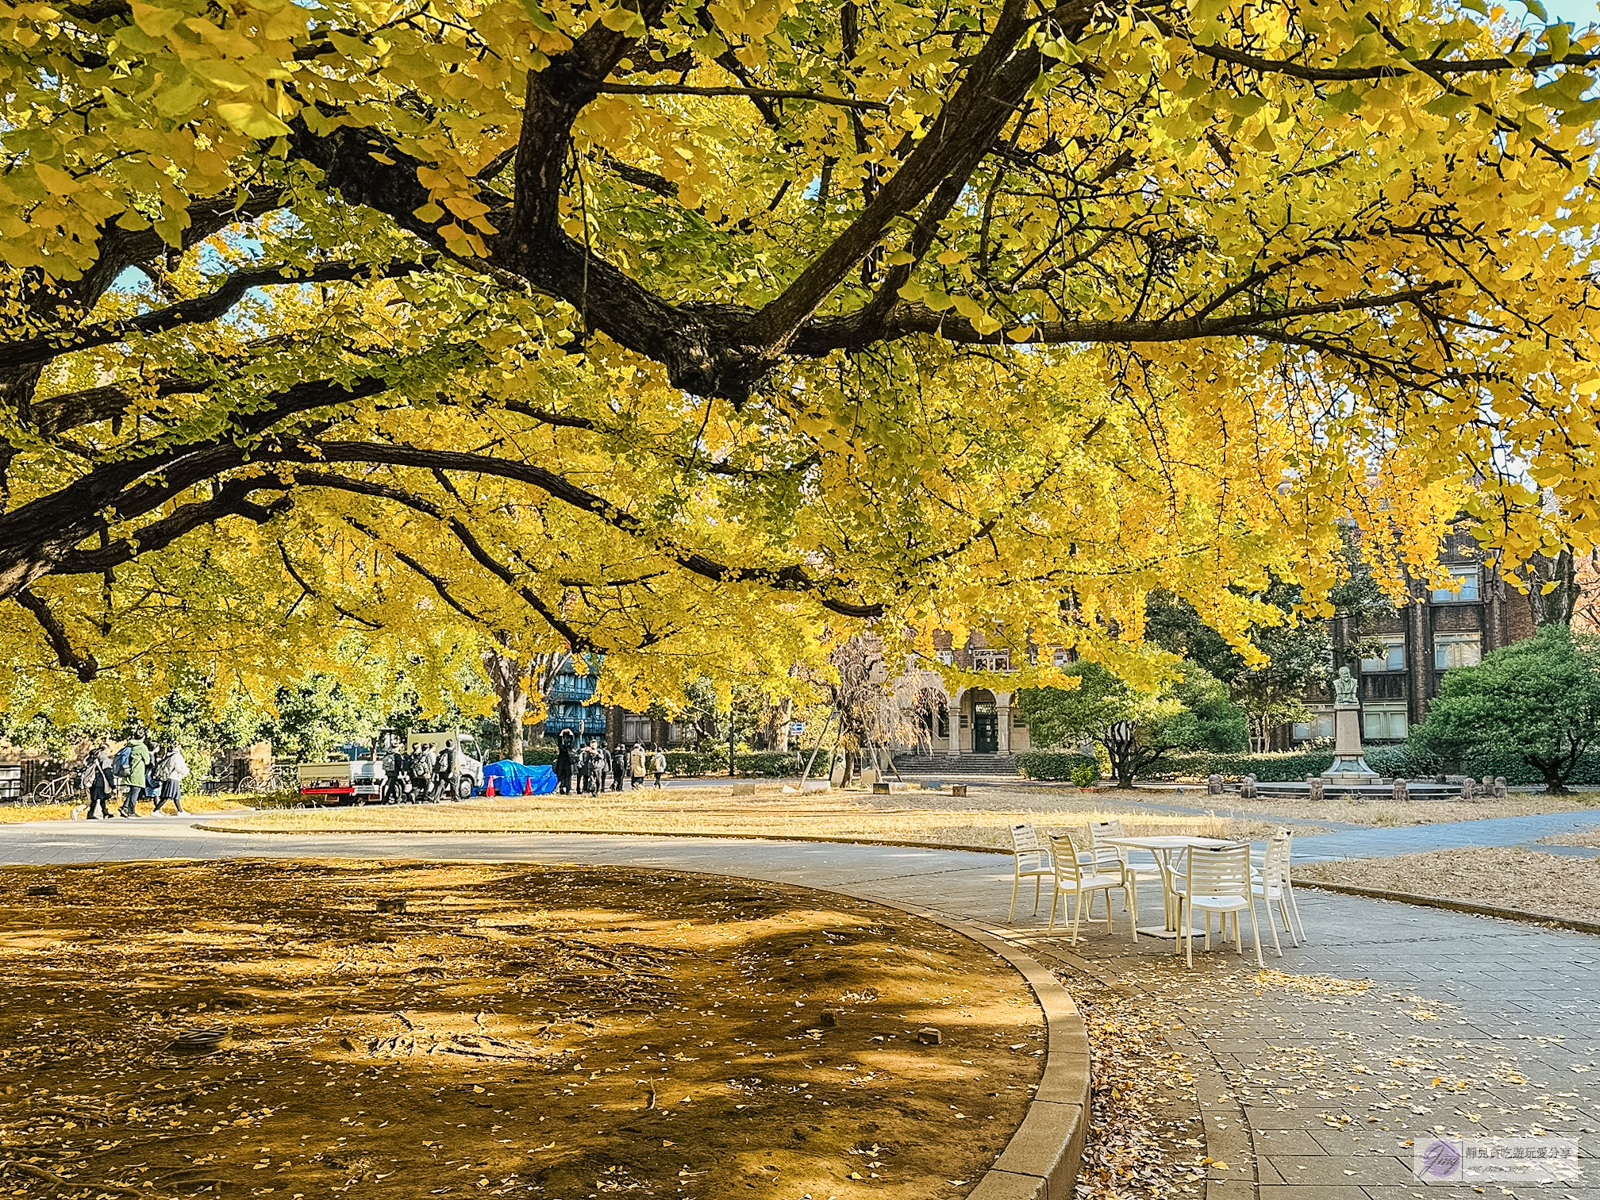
1272,884
1030,859
1217,882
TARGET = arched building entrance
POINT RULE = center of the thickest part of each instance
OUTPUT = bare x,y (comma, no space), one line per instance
985,722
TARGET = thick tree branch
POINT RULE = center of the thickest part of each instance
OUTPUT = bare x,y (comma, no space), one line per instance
793,578
674,89
855,330
83,664
961,135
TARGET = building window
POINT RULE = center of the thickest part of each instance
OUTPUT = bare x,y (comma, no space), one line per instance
1319,726
635,728
943,719
1018,721
1383,723
1456,650
991,660
1064,658
1384,687
1391,656
947,657
1466,578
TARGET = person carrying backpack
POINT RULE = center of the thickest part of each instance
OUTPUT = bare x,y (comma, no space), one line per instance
121,764
138,777
96,779
658,764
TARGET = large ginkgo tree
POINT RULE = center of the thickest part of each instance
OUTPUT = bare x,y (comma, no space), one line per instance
644,326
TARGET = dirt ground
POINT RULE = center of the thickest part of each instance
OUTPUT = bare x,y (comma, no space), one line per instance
548,1032
981,819
1553,885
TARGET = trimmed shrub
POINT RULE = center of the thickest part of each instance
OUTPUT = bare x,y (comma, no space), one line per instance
1056,765
767,764
692,762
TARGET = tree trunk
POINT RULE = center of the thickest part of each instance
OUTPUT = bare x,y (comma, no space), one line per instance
509,678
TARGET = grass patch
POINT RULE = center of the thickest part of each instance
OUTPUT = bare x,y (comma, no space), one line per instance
16,814
982,819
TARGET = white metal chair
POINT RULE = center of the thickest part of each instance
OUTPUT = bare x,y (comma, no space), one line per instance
1079,879
1030,858
1133,871
1217,881
1271,882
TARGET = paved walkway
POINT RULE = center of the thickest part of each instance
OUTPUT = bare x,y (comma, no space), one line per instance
1449,835
1468,1025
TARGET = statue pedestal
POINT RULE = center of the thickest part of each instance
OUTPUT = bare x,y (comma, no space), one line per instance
1348,764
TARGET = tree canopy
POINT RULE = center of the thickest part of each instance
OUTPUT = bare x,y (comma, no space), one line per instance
634,327
1137,727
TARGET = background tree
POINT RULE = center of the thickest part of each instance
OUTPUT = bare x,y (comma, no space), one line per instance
1136,727
1536,701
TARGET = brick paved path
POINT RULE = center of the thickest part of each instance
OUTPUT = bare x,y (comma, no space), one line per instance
1312,1084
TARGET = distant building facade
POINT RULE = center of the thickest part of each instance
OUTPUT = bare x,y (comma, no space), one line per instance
1401,657
569,704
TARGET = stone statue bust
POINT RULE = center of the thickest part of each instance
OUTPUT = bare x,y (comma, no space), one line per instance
1344,689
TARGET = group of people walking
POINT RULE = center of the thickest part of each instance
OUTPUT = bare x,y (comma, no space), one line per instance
590,768
140,770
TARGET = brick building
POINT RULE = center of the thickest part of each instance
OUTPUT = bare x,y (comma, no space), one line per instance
1437,629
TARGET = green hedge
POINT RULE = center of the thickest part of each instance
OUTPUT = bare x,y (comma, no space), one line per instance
1053,765
1268,768
1394,762
769,764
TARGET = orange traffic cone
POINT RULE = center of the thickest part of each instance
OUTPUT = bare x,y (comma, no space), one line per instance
488,787
527,787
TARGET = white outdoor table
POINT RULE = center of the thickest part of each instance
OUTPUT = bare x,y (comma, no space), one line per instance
1162,848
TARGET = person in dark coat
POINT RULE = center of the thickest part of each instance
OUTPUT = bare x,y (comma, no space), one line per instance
97,778
564,763
589,769
619,766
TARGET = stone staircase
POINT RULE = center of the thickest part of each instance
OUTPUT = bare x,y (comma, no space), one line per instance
956,766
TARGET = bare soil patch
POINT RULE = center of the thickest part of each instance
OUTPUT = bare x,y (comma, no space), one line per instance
535,1031
1554,885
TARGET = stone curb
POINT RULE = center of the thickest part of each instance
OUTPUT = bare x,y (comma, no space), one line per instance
1460,906
1231,1141
1041,1160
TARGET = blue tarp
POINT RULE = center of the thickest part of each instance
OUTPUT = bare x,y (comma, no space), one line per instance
511,778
